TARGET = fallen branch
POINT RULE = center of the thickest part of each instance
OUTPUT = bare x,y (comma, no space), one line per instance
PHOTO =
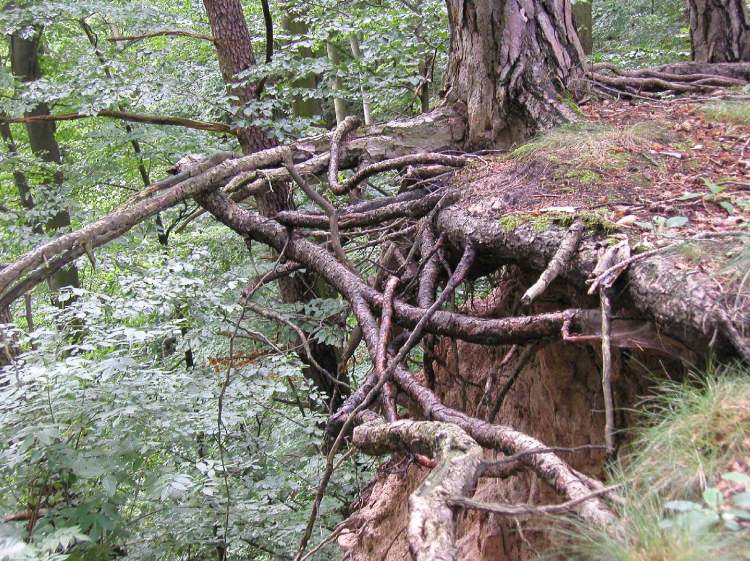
523,359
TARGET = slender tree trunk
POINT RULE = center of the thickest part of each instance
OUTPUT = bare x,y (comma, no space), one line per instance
511,63
338,102
425,66
357,54
719,30
19,177
235,54
584,21
24,55
303,106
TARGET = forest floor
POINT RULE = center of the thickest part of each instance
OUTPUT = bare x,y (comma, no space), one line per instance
684,160
660,174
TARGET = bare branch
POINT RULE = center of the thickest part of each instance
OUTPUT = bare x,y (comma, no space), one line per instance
162,33
126,116
526,355
270,314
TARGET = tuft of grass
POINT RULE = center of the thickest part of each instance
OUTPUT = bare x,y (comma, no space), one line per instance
642,536
587,145
585,176
696,428
735,112
694,431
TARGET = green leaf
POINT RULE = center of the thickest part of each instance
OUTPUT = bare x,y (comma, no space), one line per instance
713,187
713,497
742,500
689,196
737,477
682,506
676,222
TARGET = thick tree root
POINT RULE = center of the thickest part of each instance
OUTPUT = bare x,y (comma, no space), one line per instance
415,266
431,529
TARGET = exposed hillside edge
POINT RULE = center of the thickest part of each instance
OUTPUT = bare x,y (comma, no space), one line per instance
684,303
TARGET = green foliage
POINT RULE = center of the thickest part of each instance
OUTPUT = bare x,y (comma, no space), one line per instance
640,32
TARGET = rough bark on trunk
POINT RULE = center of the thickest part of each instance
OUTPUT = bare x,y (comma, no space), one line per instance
24,56
235,54
512,63
719,30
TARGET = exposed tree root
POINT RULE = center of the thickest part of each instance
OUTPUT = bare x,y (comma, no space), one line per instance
431,530
560,260
524,510
684,79
415,267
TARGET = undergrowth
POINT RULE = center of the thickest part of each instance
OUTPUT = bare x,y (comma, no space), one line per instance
673,510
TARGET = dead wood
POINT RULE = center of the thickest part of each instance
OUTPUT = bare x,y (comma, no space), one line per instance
559,262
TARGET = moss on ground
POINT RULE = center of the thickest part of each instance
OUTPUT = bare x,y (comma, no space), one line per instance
594,222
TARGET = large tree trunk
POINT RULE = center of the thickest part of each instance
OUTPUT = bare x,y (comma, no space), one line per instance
235,54
511,63
719,30
24,56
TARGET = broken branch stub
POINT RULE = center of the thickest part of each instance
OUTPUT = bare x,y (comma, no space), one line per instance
557,265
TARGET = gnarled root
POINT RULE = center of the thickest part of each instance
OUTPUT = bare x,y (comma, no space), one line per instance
431,530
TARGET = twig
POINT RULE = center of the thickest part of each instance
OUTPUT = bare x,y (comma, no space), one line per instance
492,378
512,376
527,510
270,314
386,324
558,264
324,204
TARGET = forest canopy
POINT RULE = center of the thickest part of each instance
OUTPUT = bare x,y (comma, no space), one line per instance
296,279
